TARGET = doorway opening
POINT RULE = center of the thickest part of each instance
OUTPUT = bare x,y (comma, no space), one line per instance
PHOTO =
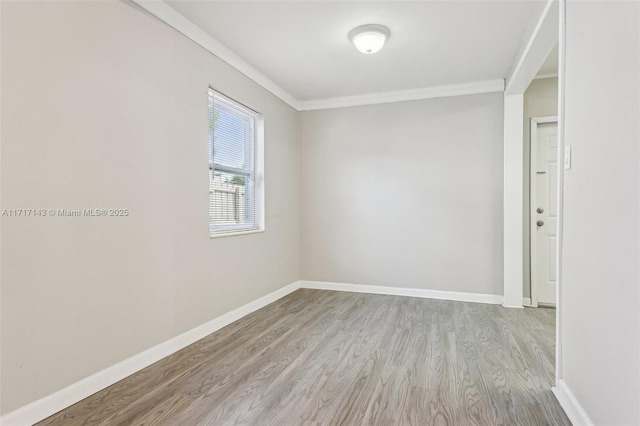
540,185
544,47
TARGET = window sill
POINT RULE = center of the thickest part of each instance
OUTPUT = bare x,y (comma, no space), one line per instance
231,234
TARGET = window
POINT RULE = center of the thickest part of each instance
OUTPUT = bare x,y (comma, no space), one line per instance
235,187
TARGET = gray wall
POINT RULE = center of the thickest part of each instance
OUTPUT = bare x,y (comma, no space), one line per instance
106,106
601,279
540,100
405,194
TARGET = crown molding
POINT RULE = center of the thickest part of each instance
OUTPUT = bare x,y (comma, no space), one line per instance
179,22
478,87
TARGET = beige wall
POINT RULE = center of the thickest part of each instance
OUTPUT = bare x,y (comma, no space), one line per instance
405,194
106,106
600,287
540,100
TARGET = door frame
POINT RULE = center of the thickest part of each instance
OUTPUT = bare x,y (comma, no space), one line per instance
562,40
540,43
535,121
550,29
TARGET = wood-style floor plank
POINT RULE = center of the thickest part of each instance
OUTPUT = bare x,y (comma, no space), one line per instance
333,358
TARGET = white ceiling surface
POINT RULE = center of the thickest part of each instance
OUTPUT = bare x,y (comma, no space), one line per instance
550,65
303,46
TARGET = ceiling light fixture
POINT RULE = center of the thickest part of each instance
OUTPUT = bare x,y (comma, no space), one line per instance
370,38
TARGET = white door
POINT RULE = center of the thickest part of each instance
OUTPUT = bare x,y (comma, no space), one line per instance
544,210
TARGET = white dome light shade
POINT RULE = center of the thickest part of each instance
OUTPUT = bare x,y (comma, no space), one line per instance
369,39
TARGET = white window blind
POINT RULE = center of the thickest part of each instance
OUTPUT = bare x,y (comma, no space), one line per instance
232,166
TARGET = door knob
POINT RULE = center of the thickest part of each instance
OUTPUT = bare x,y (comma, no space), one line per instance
539,223
540,210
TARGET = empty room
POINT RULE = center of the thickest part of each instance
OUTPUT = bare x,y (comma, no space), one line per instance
319,212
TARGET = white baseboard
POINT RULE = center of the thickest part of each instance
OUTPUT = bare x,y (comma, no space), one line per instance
45,407
412,292
51,404
571,406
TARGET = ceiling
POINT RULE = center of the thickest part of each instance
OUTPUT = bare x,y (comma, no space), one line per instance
550,65
303,47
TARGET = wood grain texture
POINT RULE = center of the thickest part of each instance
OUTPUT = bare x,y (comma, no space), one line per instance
332,358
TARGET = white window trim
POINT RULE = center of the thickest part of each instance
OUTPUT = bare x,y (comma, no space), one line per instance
259,181
232,234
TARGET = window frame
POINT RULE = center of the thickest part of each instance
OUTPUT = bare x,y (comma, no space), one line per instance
254,187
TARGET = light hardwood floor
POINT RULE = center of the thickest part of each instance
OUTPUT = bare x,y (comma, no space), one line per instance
333,358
